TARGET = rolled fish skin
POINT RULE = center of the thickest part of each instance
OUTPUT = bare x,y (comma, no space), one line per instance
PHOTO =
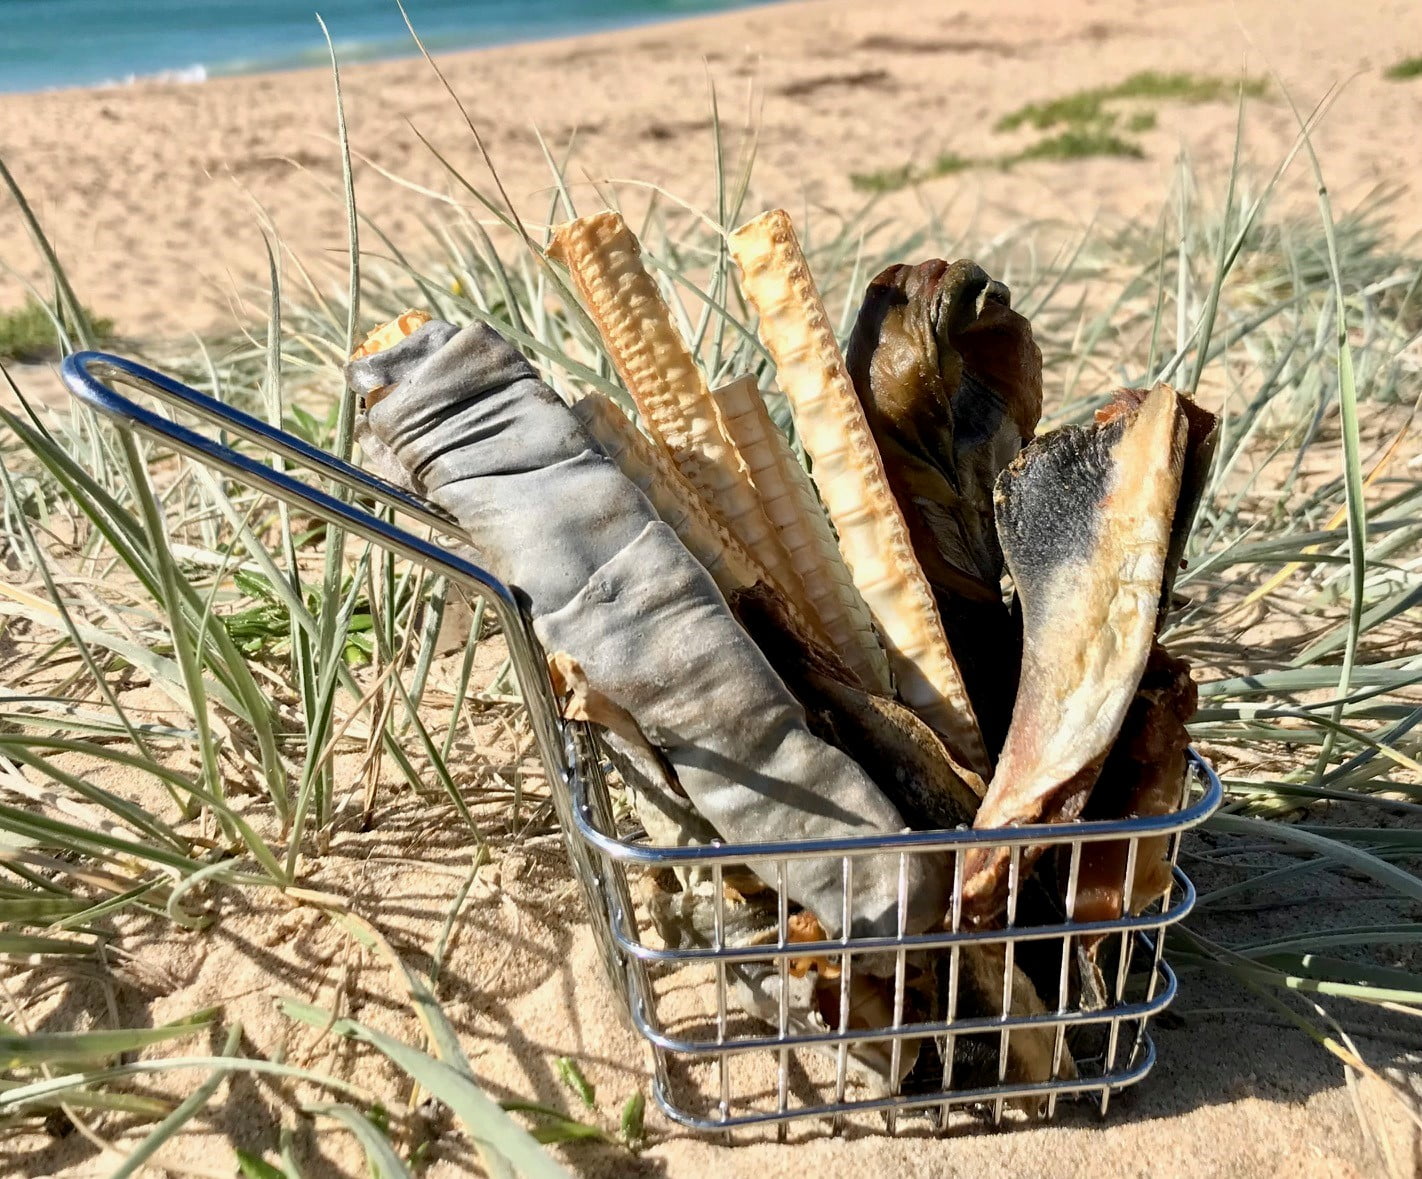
1084,516
950,379
608,583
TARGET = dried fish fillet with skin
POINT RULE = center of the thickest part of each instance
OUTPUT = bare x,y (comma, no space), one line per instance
604,260
1084,517
607,582
1146,771
850,476
1145,774
794,508
1201,439
950,379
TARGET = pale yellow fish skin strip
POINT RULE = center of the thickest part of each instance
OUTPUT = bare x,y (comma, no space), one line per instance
850,475
705,535
605,261
790,501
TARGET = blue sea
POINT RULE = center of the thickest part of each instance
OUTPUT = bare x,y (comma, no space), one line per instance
54,43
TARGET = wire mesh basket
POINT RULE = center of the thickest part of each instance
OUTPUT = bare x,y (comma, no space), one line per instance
765,1029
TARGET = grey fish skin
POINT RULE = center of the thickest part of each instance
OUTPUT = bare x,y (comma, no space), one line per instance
1084,516
607,582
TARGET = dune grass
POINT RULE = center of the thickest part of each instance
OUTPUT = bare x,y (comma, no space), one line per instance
130,566
1091,105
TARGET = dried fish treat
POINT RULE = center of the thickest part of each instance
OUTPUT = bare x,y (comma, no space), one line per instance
951,383
982,979
686,919
794,508
699,526
604,260
1201,438
900,752
1084,516
1145,774
1146,770
873,537
608,584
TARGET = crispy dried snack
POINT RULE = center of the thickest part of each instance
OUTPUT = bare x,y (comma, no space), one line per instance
872,535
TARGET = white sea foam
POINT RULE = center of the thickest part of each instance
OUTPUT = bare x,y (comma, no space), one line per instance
185,74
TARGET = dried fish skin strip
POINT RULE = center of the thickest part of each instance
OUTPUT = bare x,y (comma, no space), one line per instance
794,508
604,259
1084,517
658,799
872,534
609,584
701,529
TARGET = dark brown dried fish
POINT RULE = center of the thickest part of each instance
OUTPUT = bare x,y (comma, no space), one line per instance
1085,518
904,757
951,383
1143,775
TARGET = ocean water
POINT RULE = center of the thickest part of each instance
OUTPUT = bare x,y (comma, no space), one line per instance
53,43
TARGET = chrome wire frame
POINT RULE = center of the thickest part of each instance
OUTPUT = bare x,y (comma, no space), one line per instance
695,1057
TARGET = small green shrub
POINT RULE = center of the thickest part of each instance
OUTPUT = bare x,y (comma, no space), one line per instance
1404,70
1088,106
28,334
1078,144
890,179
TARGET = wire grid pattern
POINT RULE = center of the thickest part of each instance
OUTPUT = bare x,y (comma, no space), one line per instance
696,1052
800,1071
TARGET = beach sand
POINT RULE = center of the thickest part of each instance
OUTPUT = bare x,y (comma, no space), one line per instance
155,194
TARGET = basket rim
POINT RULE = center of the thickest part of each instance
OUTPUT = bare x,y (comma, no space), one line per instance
626,851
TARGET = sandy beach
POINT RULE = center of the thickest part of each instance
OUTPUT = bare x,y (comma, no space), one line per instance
157,198
155,194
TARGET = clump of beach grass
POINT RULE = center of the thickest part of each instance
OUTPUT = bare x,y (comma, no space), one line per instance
1091,105
127,563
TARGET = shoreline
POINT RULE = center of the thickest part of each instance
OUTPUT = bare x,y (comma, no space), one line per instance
372,51
156,193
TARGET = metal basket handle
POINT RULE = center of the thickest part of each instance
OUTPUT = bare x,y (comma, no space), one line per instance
568,750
